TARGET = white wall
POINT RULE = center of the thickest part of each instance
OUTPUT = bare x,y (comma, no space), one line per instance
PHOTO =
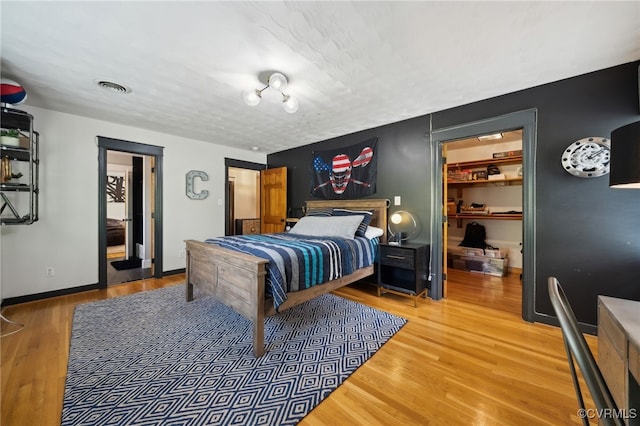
66,236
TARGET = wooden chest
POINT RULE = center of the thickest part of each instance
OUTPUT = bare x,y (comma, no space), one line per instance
247,226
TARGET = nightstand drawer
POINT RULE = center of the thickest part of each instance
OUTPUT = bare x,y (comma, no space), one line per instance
403,270
397,256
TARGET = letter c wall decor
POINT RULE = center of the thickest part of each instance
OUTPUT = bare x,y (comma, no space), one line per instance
191,176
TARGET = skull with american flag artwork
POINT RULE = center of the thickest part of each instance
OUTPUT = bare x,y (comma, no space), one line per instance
345,173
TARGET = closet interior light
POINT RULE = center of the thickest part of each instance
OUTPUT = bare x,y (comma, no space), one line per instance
490,137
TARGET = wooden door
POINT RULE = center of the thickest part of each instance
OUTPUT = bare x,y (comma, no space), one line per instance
273,200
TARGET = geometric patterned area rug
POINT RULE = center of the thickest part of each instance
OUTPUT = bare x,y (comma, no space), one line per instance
151,358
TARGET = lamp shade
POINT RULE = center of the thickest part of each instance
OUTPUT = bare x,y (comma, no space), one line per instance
403,225
278,81
625,157
290,104
252,97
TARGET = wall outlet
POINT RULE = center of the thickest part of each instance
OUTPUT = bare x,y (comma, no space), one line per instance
181,253
50,272
396,200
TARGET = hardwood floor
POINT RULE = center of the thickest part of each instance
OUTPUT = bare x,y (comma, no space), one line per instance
467,360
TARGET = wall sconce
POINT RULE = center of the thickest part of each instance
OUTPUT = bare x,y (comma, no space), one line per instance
625,157
403,226
277,82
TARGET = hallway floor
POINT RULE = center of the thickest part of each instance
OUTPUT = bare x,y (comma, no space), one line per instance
116,277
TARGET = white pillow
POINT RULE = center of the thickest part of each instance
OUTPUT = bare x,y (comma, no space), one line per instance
373,232
331,226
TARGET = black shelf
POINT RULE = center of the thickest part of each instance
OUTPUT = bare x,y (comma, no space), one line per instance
15,153
20,187
23,190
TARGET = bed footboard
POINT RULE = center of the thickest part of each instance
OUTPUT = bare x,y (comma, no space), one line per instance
236,279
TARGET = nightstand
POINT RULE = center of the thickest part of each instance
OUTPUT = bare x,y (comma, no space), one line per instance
403,270
290,223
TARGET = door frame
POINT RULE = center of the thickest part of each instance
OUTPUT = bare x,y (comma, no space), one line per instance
525,120
109,144
237,164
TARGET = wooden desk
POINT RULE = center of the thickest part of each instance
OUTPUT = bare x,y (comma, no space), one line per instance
619,352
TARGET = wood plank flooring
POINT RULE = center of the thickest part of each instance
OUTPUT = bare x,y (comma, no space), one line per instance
467,360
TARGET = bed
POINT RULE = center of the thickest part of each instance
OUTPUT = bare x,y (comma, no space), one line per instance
238,279
115,232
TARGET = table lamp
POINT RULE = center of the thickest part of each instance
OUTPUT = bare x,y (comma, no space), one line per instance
624,168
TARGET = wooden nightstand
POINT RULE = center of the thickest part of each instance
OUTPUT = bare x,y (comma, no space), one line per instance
403,270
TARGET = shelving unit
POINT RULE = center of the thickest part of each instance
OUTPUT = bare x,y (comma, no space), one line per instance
460,185
13,189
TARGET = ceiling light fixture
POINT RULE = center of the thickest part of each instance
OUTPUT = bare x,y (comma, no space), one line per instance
279,83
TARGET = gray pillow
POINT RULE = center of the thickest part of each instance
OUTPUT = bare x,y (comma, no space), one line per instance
332,226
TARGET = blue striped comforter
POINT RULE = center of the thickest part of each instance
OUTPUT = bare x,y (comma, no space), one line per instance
297,262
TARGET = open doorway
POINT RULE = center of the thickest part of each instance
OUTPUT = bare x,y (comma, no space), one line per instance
269,202
482,240
522,120
136,182
129,238
242,196
244,201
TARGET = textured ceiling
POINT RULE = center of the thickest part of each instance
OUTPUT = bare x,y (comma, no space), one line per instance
351,65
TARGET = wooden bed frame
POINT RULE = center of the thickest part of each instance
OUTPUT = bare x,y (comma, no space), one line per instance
238,279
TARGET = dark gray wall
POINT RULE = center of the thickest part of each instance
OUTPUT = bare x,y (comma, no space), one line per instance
587,234
403,167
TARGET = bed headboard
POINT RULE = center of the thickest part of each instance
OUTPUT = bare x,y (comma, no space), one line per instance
379,207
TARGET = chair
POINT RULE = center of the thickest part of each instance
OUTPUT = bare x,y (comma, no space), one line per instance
578,352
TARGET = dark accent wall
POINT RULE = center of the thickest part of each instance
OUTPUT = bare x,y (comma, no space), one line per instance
404,167
587,234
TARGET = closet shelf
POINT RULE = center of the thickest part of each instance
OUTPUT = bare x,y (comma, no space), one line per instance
484,163
487,182
510,216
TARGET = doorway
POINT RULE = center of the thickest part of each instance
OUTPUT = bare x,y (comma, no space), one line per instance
129,238
271,201
524,120
130,175
242,193
244,200
483,196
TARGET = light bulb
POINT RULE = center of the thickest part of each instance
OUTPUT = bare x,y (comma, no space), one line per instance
396,218
278,82
252,97
289,104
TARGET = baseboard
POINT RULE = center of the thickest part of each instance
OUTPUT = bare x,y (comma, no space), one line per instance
48,294
174,272
551,320
66,291
513,270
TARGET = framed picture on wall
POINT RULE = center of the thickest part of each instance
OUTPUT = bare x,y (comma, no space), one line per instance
115,189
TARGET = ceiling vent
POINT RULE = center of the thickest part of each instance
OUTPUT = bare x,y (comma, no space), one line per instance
113,87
